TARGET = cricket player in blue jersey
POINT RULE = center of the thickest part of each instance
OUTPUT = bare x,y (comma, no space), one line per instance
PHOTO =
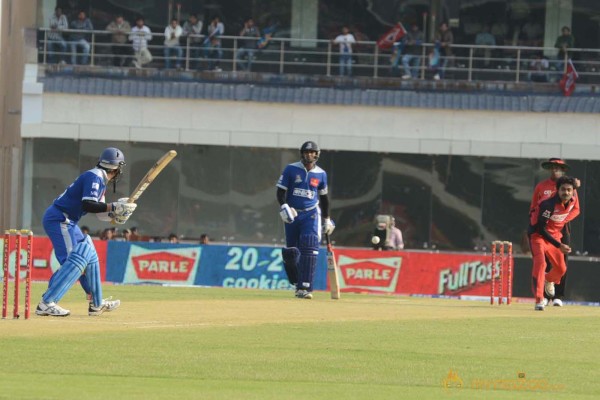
74,250
304,207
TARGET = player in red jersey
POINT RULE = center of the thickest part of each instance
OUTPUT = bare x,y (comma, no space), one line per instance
544,190
546,223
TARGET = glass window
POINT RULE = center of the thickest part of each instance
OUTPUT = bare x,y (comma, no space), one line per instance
507,189
442,202
55,167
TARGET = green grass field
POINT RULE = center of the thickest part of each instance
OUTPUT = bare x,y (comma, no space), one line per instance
201,343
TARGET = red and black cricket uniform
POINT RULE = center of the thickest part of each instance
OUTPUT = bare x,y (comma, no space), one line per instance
545,232
545,190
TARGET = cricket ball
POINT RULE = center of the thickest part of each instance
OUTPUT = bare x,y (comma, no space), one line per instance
375,240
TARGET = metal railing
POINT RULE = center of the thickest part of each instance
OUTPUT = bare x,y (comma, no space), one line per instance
321,57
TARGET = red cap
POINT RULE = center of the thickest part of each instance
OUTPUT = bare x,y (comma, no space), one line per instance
555,161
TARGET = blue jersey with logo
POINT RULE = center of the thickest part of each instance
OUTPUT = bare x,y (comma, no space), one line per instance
91,185
303,187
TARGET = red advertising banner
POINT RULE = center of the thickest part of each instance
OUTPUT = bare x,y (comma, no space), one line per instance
44,262
404,272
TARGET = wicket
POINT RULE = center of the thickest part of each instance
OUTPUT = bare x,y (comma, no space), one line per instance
502,260
17,235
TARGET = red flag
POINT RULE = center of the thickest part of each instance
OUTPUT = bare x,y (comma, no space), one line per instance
567,83
391,36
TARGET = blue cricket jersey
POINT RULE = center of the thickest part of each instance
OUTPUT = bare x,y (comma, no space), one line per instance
91,185
303,187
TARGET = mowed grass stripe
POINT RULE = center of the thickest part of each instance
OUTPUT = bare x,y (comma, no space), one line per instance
211,343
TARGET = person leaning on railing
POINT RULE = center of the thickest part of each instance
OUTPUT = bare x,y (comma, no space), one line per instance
212,43
248,45
563,43
120,30
192,28
411,59
445,38
80,40
172,34
140,35
58,22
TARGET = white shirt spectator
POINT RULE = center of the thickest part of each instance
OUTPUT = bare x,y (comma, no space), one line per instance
396,241
345,42
215,31
140,37
172,35
58,23
193,29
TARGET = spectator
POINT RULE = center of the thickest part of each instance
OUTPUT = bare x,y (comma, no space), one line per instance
445,38
395,239
140,35
192,28
563,43
58,22
248,46
85,230
204,239
120,30
80,40
485,38
345,40
267,36
127,235
538,69
172,34
173,238
135,235
107,234
412,52
212,43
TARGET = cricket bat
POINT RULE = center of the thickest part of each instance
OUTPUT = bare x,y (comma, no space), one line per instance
151,175
334,282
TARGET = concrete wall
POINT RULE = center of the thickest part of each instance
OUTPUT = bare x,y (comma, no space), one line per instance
15,15
378,129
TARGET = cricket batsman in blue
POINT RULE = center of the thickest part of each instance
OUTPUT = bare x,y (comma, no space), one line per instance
75,251
304,207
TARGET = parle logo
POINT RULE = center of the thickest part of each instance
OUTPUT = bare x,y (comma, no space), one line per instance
178,265
369,273
163,265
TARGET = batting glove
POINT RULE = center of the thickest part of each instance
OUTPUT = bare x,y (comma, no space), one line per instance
121,220
122,208
328,226
287,213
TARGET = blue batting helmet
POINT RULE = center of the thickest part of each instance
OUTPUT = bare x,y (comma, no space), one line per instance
111,158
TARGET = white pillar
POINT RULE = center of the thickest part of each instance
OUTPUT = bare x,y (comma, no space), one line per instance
305,17
45,10
559,13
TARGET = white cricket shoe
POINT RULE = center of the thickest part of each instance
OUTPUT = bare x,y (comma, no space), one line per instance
545,301
557,303
51,309
539,306
304,294
107,305
549,289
